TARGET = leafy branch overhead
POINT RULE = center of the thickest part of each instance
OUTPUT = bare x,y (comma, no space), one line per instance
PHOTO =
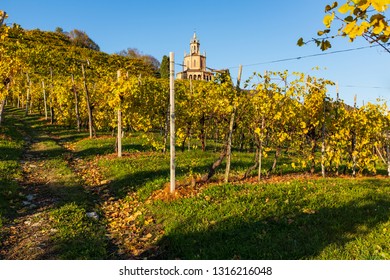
355,18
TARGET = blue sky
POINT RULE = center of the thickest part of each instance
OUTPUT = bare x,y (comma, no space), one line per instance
243,32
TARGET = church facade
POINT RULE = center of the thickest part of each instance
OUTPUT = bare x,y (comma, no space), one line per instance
194,64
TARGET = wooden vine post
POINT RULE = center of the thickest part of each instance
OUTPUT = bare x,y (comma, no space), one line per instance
172,121
323,139
89,108
261,136
119,140
388,152
76,106
28,93
231,125
354,140
51,97
44,98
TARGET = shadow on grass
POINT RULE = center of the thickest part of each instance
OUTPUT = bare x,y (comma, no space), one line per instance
7,153
106,149
146,181
8,196
11,151
67,134
47,154
150,179
277,238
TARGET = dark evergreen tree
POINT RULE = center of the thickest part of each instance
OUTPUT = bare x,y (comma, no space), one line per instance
164,67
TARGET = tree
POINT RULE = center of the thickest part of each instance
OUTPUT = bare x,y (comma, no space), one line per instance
59,30
3,16
130,52
136,54
81,39
356,18
164,67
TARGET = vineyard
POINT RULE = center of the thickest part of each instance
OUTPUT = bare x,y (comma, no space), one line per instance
271,160
277,114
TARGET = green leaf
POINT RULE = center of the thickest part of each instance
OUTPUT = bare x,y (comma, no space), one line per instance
322,32
325,45
329,7
349,19
376,17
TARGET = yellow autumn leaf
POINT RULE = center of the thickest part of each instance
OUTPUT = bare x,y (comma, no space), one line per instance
349,27
148,236
328,20
364,5
380,5
345,8
365,24
360,30
387,31
278,116
379,28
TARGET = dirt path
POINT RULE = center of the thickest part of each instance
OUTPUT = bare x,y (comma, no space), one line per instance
47,184
29,233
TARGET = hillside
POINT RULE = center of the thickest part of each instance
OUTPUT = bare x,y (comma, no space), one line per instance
64,76
41,50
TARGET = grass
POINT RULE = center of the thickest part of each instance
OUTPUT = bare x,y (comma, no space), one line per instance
11,150
284,217
144,170
310,219
334,218
49,177
77,236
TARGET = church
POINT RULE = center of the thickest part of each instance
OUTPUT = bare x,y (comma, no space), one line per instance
194,64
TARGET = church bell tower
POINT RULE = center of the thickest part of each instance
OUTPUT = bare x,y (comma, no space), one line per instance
194,45
194,64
